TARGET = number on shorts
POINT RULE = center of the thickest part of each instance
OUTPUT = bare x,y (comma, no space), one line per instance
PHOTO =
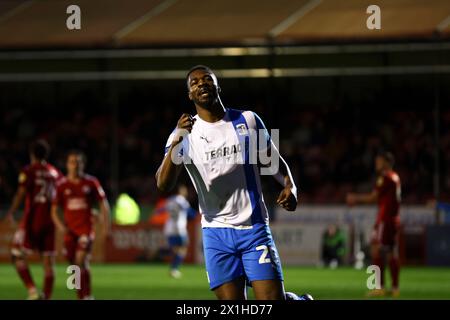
263,258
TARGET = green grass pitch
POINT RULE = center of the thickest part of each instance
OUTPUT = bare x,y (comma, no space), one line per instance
151,281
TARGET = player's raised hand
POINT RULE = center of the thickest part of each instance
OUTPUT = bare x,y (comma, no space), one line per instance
184,127
287,199
186,121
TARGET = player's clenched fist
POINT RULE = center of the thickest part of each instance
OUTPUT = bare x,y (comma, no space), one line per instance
287,199
184,126
186,121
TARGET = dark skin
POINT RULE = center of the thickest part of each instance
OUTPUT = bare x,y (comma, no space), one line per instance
203,91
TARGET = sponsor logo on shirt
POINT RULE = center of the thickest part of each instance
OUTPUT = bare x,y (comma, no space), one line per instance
223,152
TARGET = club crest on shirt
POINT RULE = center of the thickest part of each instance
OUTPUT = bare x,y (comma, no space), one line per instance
241,129
86,189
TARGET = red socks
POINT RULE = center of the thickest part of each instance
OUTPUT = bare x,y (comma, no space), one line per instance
85,290
394,265
25,275
378,260
49,279
86,275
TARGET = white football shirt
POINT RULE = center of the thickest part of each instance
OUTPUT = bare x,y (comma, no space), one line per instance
216,156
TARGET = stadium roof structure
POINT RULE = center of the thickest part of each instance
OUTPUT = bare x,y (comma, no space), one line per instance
33,24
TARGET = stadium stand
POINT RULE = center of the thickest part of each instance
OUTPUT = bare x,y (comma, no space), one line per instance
113,23
327,153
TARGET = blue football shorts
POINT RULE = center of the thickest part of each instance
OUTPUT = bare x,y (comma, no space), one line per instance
233,253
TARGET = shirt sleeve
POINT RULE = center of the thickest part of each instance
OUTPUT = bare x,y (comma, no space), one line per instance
380,184
191,213
57,198
184,204
59,175
98,189
262,133
23,178
169,142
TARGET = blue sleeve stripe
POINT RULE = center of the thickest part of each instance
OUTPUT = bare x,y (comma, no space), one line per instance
259,122
260,126
167,147
238,118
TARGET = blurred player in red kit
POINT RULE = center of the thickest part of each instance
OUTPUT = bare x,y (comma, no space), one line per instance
76,194
36,231
387,194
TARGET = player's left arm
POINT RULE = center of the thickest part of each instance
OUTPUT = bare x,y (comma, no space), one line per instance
17,201
288,197
366,198
362,198
105,213
104,208
19,196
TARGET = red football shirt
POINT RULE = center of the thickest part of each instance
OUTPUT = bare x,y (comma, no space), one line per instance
77,199
39,181
389,196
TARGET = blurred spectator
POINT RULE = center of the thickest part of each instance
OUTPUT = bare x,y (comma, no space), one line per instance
329,149
126,210
333,247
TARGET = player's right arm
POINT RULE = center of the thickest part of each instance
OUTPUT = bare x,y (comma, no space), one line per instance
17,201
19,196
362,198
168,171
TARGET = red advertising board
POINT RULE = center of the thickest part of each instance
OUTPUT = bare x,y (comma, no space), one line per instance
134,243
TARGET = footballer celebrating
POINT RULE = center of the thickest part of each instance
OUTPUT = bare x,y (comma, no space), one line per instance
76,194
384,242
215,148
36,230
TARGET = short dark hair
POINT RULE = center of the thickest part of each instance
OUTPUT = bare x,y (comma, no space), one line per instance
40,149
77,152
197,67
388,156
